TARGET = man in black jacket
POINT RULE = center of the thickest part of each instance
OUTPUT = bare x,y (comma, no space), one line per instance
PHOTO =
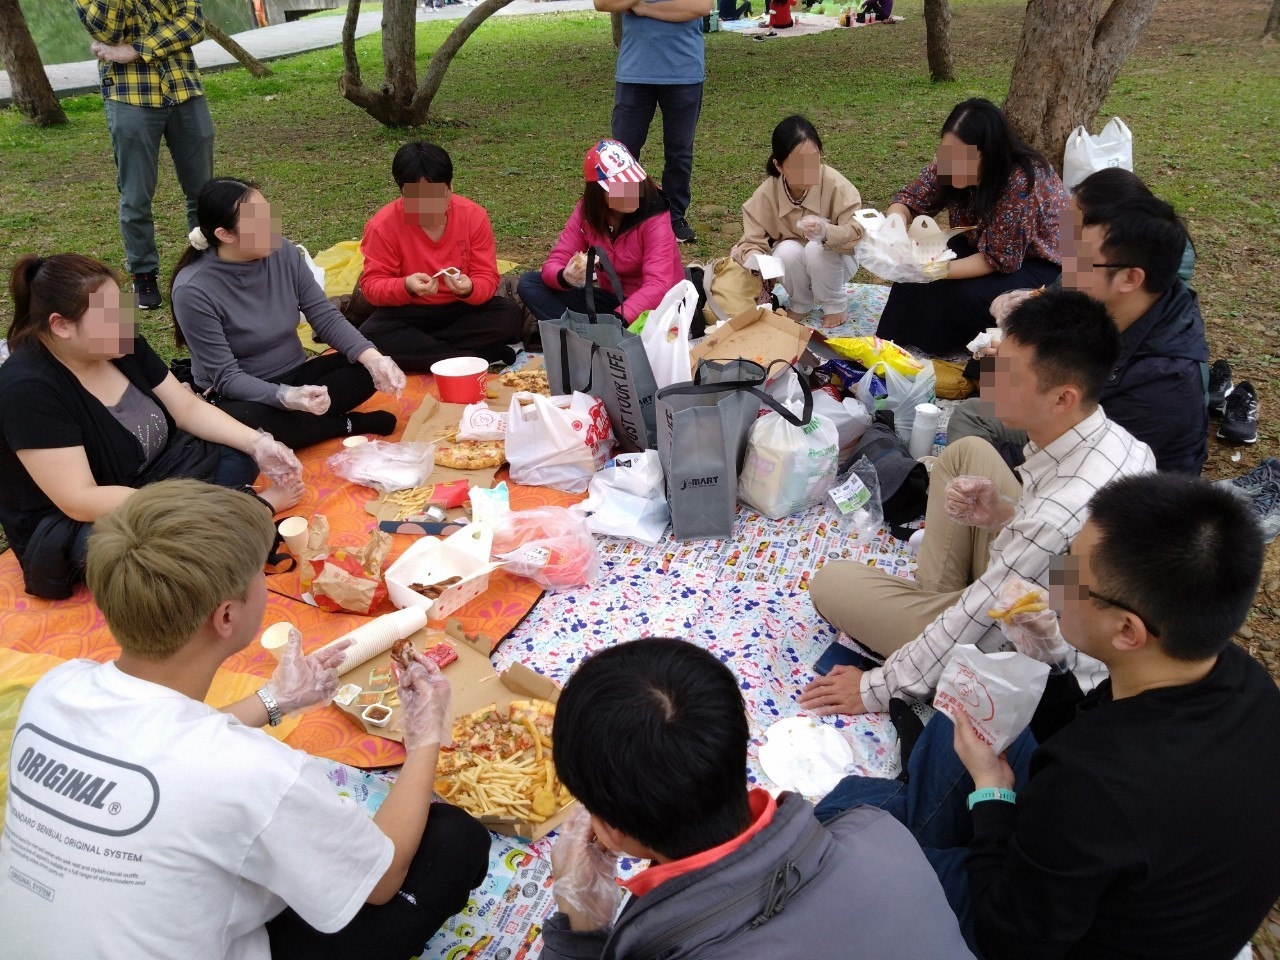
1125,249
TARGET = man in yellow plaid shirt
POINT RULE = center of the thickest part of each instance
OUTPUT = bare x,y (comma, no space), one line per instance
151,89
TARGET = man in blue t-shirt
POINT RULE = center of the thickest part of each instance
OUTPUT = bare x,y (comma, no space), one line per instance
660,66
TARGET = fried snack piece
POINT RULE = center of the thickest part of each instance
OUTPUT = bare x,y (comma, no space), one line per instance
472,454
432,591
1027,603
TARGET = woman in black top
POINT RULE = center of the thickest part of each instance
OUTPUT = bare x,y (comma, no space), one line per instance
89,413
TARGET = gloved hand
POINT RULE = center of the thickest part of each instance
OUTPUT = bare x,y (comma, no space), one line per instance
301,681
1022,610
275,459
935,270
575,271
424,699
1005,304
307,399
585,887
813,227
975,502
387,375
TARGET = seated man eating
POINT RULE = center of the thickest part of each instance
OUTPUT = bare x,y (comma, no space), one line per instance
651,737
143,823
1143,826
984,524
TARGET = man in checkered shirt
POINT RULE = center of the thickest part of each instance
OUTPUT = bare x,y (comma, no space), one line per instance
984,525
151,88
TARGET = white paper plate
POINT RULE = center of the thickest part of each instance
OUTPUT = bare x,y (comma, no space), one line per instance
803,755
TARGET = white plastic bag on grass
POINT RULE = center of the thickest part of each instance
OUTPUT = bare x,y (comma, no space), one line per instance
1085,154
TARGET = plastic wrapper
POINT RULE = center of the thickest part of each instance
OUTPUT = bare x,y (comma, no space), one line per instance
552,546
385,466
856,495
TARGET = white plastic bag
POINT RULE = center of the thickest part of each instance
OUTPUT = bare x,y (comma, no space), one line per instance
999,692
557,442
894,252
480,423
904,393
385,466
850,417
628,499
1085,154
666,335
788,467
316,271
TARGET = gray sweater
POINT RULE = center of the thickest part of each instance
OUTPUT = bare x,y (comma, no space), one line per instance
240,321
858,888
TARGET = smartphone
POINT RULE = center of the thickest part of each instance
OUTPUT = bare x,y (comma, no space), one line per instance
838,654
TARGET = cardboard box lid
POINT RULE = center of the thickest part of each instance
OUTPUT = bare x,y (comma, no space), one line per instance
758,334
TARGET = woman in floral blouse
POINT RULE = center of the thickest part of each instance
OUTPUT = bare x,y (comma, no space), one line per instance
987,179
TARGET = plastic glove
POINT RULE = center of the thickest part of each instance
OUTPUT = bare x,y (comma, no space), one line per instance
307,399
935,270
275,460
387,375
585,875
575,271
424,699
1008,301
975,502
1034,631
302,681
813,227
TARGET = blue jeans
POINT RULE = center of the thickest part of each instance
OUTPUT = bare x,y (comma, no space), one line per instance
933,805
548,304
681,103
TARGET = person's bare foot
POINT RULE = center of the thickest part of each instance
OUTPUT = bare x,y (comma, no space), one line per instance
282,497
830,320
797,317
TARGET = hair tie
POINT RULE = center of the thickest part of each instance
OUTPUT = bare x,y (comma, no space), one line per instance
198,239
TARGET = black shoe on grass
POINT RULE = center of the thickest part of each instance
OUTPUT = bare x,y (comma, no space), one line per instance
1240,420
146,291
684,233
1220,387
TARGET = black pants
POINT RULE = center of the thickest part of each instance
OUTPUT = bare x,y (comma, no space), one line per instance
451,861
941,317
349,386
417,336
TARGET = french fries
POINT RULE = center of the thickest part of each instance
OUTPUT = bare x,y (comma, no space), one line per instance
521,788
1027,603
409,502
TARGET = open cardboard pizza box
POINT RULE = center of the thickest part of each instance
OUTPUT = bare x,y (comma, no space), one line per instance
463,554
475,685
758,334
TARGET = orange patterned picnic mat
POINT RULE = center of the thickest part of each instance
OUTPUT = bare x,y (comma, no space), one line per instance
75,627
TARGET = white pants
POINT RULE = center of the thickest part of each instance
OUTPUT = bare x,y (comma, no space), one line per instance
814,274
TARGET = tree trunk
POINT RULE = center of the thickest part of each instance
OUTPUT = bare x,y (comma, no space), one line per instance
1273,21
32,93
615,21
1069,56
350,65
400,49
245,58
937,29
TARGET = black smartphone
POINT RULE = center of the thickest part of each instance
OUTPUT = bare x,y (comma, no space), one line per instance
838,654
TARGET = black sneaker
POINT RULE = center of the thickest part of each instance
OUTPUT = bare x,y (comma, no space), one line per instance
146,291
684,233
1240,420
1220,387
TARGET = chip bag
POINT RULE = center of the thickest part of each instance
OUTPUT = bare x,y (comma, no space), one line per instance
870,351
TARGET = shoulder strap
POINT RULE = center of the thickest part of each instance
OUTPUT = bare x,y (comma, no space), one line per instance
589,291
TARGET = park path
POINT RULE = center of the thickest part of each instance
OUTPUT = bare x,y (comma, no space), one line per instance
281,40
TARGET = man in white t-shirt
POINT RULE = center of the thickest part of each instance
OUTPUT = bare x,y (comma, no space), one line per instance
143,823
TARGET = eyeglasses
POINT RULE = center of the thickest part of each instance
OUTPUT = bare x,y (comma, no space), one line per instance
1113,266
1111,602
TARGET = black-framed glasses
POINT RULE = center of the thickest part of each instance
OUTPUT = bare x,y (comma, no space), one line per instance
1112,602
1113,266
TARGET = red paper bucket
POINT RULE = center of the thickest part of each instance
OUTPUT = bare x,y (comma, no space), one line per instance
461,379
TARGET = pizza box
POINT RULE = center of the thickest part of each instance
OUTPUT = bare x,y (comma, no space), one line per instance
464,553
759,334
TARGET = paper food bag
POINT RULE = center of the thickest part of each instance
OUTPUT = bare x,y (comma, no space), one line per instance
998,691
348,579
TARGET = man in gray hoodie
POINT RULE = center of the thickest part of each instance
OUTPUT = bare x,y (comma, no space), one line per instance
651,737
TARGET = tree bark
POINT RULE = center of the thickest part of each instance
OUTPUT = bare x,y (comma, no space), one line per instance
245,58
1068,57
400,49
1273,21
350,64
615,21
32,93
937,30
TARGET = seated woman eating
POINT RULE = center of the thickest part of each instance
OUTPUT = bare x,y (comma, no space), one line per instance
804,215
987,179
623,214
431,269
237,292
89,413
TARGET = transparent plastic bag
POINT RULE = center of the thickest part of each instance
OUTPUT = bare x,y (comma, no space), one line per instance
857,496
385,466
552,546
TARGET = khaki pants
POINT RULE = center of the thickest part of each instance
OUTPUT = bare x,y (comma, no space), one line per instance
884,612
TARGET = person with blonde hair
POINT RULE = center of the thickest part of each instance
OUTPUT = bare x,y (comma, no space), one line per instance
144,822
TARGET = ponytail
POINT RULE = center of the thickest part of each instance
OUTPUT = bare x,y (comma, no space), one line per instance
43,286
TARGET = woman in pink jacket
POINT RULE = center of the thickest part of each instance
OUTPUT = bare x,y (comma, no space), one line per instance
623,214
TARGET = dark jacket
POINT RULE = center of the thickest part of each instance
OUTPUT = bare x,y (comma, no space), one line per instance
858,888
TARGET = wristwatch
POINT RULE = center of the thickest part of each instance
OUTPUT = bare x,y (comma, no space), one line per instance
274,716
992,793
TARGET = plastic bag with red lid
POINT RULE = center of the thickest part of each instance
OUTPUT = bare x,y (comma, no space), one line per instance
550,545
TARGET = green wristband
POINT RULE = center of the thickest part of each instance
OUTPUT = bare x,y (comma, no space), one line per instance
992,793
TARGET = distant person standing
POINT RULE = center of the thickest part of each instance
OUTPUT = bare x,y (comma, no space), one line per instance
151,89
660,66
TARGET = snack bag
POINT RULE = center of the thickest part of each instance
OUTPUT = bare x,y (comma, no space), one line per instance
998,691
349,579
869,351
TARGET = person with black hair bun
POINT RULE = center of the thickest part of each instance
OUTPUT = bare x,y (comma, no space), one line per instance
988,179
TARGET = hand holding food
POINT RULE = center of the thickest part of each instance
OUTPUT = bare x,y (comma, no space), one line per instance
459,283
575,271
1026,620
424,697
813,227
975,502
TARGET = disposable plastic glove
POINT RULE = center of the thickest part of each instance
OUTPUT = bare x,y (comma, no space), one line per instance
975,502
424,699
275,460
585,887
313,400
387,376
813,227
302,681
1034,631
1005,304
935,270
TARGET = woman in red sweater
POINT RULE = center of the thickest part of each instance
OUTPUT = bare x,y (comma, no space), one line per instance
431,269
624,214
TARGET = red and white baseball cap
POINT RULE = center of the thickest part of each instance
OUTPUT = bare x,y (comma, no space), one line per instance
611,162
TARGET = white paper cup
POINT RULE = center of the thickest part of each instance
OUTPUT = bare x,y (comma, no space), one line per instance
355,441
275,638
295,530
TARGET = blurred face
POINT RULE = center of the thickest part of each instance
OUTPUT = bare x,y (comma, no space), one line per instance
1010,388
258,233
105,330
1083,259
803,167
959,163
1086,624
622,196
426,204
